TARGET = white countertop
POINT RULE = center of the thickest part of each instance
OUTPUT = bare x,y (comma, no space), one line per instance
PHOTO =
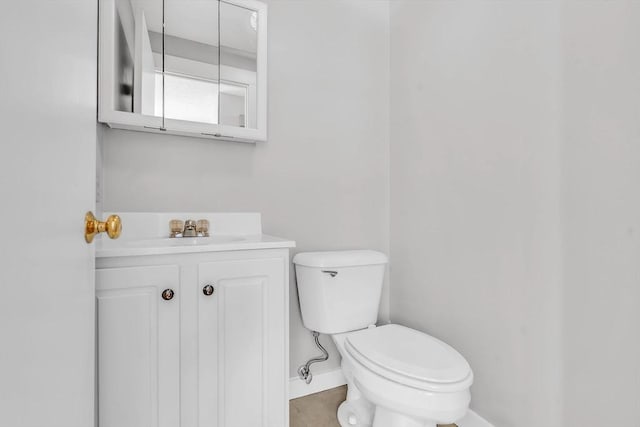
146,233
182,245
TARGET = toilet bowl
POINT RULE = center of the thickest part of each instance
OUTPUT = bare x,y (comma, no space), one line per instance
396,376
411,377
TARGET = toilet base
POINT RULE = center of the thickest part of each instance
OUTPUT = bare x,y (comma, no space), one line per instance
355,413
385,418
360,412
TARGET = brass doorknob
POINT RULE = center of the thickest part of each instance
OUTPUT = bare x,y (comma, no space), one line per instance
112,226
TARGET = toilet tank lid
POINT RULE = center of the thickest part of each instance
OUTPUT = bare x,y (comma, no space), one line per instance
340,258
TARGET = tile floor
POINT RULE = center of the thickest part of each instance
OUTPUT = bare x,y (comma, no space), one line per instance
319,410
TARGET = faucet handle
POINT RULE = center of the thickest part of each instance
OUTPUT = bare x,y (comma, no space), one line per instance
202,228
176,226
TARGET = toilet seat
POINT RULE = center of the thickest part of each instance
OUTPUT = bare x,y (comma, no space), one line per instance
410,357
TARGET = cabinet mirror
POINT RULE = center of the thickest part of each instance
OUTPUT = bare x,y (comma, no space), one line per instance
193,67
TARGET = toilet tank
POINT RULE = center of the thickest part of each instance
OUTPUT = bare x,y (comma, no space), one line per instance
339,291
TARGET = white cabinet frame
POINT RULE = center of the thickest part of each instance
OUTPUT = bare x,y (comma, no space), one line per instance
108,114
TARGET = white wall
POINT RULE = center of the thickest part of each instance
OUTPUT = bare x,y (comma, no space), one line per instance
514,171
475,194
321,179
515,139
602,213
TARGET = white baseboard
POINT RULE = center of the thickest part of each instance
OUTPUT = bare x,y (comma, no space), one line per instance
321,382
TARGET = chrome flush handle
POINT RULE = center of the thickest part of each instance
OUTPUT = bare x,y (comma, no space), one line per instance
331,273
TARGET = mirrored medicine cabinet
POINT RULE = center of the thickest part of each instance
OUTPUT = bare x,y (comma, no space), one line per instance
186,67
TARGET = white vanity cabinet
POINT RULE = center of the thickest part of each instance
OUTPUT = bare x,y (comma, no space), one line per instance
214,355
138,346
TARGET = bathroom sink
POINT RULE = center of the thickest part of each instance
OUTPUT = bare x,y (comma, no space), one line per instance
147,233
185,241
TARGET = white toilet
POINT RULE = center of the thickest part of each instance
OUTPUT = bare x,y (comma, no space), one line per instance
396,376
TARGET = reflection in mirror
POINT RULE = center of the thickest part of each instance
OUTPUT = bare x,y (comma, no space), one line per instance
191,61
233,104
135,64
238,65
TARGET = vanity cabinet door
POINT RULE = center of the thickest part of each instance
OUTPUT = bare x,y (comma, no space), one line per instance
242,367
138,350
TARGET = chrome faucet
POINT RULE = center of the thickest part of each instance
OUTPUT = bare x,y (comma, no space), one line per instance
189,228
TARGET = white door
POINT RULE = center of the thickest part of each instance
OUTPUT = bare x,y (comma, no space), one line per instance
47,183
138,311
242,366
